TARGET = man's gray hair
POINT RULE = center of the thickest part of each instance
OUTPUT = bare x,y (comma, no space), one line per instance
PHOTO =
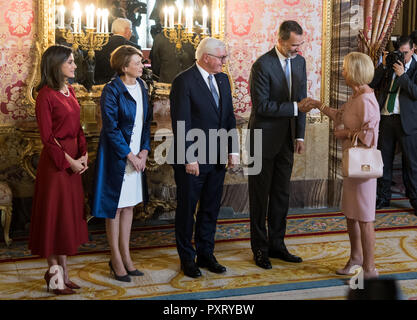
119,25
208,45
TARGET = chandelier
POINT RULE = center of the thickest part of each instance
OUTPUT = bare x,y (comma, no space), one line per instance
94,36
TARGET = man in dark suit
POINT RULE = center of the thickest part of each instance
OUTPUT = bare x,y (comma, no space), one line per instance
396,91
167,60
278,81
121,31
201,102
413,36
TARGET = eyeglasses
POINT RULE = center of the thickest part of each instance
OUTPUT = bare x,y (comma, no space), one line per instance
222,58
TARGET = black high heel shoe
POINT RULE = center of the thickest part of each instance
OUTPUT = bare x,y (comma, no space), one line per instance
134,273
124,278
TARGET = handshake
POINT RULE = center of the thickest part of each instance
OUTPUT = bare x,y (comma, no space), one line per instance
307,104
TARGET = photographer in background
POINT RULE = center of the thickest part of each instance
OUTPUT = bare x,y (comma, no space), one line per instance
128,9
413,37
395,83
157,14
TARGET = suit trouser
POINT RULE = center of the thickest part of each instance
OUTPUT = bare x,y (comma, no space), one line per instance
269,199
208,189
391,132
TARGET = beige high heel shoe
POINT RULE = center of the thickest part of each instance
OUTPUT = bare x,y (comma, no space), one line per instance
349,269
371,274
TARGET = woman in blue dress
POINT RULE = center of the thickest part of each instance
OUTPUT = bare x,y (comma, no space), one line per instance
121,157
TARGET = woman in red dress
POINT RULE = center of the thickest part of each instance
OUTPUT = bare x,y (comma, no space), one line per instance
58,226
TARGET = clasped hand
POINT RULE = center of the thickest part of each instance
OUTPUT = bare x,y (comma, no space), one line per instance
307,104
80,165
138,161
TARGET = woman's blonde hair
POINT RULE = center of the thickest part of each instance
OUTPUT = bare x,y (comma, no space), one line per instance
359,68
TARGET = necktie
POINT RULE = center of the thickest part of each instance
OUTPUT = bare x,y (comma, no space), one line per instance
213,90
287,74
392,95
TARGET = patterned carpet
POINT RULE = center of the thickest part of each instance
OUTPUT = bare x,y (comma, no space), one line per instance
320,238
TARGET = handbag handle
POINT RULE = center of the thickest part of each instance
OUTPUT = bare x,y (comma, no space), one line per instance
354,140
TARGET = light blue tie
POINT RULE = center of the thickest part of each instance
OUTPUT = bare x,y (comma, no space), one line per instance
213,90
287,74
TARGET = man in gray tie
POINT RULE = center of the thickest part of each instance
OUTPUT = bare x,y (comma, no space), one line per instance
278,81
201,101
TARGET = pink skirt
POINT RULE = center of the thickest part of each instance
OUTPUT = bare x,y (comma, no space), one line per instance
359,199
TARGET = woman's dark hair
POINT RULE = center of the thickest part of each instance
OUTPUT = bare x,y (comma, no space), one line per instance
51,62
121,56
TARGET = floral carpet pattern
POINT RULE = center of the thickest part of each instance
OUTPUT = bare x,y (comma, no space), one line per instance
227,230
319,238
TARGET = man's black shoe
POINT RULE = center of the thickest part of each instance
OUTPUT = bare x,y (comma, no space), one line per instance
283,254
190,269
382,203
261,260
210,262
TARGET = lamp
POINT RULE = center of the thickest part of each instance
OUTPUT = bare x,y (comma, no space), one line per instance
90,38
93,38
182,33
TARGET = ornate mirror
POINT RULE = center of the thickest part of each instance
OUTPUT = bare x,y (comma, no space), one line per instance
48,21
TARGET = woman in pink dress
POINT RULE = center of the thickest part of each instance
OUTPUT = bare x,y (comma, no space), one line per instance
360,114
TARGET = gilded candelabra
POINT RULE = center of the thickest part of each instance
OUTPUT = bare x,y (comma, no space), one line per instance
90,40
180,35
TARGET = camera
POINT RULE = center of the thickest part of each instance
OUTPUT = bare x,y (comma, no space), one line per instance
133,5
393,57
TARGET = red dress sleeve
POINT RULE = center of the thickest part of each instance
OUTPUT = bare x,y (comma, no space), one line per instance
44,119
82,142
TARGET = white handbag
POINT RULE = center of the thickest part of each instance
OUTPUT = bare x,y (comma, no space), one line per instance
361,162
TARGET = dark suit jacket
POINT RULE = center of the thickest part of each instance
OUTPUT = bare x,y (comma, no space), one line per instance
192,102
407,97
166,61
103,72
272,106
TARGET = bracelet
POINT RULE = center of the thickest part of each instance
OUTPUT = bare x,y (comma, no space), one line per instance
322,107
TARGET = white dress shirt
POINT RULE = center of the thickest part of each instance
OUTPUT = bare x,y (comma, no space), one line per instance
205,76
282,59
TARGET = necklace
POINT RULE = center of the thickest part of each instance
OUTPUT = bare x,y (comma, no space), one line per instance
67,94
